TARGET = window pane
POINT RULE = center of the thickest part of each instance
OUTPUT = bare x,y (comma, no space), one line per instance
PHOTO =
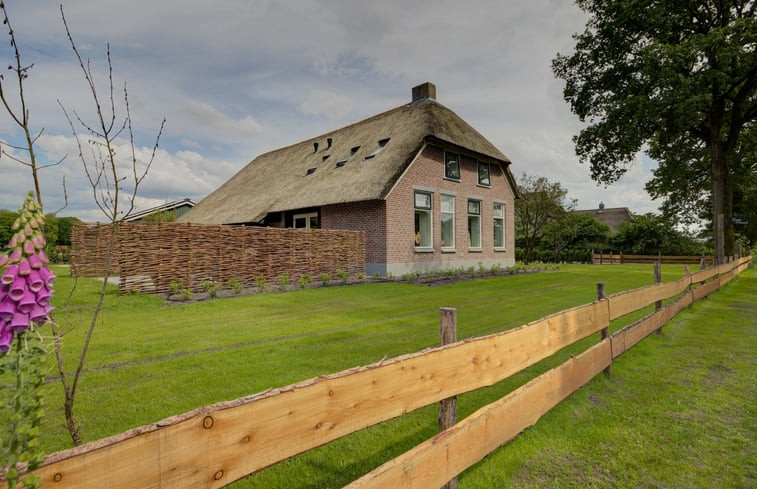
499,210
499,233
448,203
422,200
474,207
448,221
422,228
474,231
483,174
452,165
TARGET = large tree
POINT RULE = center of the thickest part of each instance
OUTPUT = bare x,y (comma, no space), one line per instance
541,201
660,76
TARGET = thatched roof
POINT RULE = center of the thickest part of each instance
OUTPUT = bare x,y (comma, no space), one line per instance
299,176
612,216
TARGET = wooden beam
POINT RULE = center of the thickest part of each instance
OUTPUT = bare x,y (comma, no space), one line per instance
627,302
428,464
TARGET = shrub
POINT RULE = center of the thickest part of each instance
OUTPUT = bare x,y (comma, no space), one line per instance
235,285
175,286
206,285
343,276
260,282
284,280
305,280
186,294
496,268
482,268
325,278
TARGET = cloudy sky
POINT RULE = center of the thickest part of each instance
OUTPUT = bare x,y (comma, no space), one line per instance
236,78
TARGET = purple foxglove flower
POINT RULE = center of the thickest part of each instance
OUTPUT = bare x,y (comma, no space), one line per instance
27,302
34,261
39,242
43,256
28,230
12,242
43,296
19,323
39,314
3,259
24,268
29,247
6,337
7,308
9,275
15,256
17,289
47,276
34,281
4,289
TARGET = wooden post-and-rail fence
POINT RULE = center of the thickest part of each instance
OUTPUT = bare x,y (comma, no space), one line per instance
620,258
218,444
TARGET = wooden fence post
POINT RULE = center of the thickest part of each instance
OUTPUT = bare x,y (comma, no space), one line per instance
448,407
703,263
658,280
604,332
687,273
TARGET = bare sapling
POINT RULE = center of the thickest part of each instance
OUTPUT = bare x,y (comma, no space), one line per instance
115,181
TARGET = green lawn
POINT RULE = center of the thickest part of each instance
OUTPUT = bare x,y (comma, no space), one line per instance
660,421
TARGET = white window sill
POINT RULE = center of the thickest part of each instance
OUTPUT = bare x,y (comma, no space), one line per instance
449,250
475,250
424,250
500,249
483,186
452,179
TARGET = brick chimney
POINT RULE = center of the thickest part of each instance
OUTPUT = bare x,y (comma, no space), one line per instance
424,91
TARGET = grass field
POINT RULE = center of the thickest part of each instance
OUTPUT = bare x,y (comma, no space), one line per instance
677,412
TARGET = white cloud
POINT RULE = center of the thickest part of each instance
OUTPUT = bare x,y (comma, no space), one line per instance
325,103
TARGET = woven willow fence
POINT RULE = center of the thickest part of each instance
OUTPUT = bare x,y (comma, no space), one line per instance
151,256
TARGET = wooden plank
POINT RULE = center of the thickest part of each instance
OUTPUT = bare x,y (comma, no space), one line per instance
705,289
627,302
252,433
431,463
702,275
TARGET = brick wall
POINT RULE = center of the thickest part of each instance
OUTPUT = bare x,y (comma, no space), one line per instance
153,255
427,172
368,217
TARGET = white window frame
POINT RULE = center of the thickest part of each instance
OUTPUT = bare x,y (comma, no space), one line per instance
442,212
308,216
477,216
419,246
499,218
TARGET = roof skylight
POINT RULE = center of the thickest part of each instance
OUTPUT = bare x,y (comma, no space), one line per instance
381,144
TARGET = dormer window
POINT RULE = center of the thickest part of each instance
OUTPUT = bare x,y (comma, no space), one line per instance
378,149
311,170
344,160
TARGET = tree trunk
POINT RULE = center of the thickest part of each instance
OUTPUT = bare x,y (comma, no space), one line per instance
722,203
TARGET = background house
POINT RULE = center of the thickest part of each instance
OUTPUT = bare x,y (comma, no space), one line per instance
427,189
176,208
613,217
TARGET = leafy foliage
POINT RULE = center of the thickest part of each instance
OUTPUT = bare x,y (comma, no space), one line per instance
650,234
674,78
541,201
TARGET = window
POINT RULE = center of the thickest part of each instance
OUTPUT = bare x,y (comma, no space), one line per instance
452,166
378,149
423,226
311,170
499,225
306,221
483,174
448,222
474,223
343,161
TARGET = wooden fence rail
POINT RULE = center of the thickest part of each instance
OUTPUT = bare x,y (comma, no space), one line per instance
218,444
617,259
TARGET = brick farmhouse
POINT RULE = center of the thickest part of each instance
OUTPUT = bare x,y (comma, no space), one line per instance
429,191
